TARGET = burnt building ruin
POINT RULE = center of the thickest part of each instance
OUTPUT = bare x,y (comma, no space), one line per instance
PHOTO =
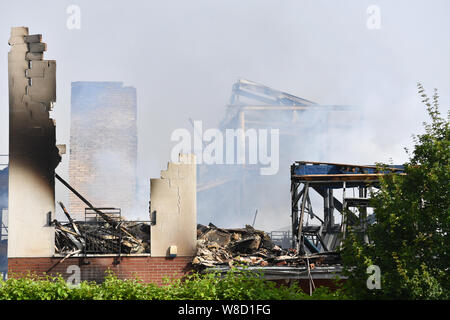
102,172
103,156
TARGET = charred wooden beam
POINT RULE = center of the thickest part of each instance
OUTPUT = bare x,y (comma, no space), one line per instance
104,216
74,226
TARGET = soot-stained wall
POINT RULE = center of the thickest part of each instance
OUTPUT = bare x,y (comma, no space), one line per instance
33,155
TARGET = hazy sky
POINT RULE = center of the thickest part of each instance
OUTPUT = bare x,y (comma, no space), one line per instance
184,56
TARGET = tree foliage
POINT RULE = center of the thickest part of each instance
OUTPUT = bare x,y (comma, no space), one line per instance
410,239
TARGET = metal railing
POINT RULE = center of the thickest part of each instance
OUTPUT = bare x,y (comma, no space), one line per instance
282,239
99,235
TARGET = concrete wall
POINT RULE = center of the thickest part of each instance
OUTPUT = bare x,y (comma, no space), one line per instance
173,198
103,146
33,155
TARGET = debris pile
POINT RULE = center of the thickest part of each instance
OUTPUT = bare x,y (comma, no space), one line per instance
248,246
217,246
101,236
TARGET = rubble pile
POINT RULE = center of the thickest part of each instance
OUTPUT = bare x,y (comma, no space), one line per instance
101,236
217,246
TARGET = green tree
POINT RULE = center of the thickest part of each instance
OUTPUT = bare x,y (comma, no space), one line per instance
410,239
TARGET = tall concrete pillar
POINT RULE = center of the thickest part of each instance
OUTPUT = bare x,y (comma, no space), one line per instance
33,155
174,204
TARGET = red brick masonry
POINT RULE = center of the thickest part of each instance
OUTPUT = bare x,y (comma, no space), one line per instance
148,269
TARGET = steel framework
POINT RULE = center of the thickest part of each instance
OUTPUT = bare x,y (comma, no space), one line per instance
324,179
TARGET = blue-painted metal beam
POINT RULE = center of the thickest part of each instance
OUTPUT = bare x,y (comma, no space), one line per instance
317,168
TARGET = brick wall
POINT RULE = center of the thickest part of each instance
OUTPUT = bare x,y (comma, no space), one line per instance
148,269
103,146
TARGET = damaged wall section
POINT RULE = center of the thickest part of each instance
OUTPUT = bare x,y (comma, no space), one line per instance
103,146
33,155
173,202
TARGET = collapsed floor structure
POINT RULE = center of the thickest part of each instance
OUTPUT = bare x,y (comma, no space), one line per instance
219,247
219,250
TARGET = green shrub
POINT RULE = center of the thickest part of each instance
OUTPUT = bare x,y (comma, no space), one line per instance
234,285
